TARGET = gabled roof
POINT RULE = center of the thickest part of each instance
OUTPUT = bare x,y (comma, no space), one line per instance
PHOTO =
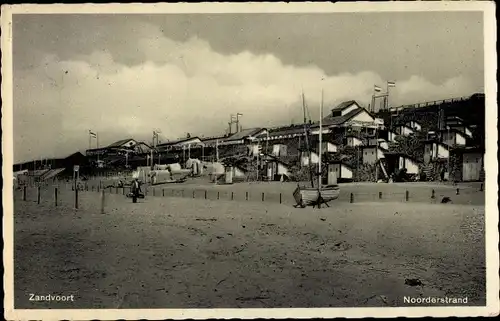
178,141
245,133
430,141
352,135
454,130
289,130
339,120
469,149
341,162
403,125
344,105
120,143
375,146
402,155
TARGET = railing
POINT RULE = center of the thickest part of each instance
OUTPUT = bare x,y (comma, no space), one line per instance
430,103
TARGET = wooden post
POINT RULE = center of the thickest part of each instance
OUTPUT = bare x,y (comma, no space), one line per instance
163,192
262,196
24,193
205,194
55,196
407,196
218,195
154,191
433,195
352,198
38,194
379,195
458,191
193,194
280,198
76,198
123,190
102,201
246,196
232,196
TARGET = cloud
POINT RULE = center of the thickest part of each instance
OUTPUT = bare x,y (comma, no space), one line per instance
180,87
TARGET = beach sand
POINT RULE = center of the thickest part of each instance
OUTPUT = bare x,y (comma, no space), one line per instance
195,253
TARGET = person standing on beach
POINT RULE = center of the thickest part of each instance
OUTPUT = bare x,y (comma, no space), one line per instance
136,189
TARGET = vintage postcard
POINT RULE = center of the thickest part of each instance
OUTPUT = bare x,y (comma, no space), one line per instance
249,160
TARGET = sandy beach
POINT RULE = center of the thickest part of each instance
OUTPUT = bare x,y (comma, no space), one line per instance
172,252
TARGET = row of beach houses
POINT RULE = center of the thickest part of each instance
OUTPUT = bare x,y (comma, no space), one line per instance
347,125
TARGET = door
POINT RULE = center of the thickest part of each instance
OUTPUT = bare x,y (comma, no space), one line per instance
471,168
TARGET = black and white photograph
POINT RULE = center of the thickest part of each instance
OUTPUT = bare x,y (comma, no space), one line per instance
248,160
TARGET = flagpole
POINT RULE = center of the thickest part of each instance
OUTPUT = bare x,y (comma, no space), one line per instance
387,98
97,146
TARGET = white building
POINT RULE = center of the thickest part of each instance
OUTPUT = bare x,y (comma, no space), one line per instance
453,137
342,172
305,159
404,130
328,147
353,141
434,150
414,125
372,153
381,142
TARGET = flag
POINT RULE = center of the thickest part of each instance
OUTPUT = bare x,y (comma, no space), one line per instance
92,134
391,84
377,88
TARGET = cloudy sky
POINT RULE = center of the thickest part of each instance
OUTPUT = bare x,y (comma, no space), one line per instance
125,75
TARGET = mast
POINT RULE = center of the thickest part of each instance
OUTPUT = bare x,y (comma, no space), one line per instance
320,142
307,140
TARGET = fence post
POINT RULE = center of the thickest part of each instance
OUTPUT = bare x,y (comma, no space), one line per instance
407,195
205,194
76,198
458,191
232,196
193,194
163,192
92,188
433,195
262,196
38,194
246,196
218,195
24,193
352,198
55,195
280,198
102,201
